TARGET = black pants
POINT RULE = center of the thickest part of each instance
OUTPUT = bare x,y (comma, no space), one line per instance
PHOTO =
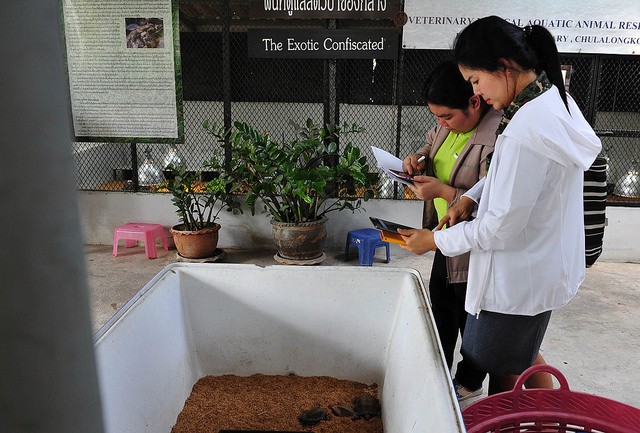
447,301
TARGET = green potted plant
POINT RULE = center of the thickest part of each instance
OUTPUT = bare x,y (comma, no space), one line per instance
298,181
198,205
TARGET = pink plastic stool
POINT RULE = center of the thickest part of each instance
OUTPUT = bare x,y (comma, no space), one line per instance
133,232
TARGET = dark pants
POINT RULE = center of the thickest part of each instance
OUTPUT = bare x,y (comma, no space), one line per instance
447,301
504,344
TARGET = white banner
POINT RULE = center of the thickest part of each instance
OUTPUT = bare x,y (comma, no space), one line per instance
579,26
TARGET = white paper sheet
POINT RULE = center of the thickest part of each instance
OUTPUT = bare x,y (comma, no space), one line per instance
388,162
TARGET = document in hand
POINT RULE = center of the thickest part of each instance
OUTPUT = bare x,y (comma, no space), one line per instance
389,230
391,165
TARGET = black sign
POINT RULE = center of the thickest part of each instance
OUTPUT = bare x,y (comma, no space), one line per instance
326,9
323,43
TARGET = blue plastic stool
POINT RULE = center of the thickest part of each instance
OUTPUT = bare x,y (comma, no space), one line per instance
366,241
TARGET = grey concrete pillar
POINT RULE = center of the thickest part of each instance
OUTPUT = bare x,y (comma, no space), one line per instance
48,379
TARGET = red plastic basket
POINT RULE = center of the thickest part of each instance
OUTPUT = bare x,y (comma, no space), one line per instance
549,410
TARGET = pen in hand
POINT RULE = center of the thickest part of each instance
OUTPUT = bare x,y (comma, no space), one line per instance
421,159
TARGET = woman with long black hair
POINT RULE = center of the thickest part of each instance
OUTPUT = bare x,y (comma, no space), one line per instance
527,239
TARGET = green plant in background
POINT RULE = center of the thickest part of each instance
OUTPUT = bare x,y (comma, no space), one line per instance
199,203
302,179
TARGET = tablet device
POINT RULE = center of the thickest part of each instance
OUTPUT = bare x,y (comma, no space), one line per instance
389,230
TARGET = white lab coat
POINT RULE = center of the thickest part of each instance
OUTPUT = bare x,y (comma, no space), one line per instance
527,241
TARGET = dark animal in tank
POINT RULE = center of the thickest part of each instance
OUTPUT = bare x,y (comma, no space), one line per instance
313,416
367,406
342,410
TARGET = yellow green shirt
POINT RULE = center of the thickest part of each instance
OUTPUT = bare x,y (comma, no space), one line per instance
443,163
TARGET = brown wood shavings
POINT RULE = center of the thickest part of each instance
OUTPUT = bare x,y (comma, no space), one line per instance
271,403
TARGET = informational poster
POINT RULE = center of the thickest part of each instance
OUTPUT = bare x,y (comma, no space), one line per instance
594,26
123,61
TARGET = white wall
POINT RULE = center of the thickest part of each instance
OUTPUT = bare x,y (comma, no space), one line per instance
103,211
622,237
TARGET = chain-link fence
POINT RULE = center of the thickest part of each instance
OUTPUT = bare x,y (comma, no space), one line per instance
222,84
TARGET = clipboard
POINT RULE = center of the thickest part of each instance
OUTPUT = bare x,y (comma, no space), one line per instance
389,230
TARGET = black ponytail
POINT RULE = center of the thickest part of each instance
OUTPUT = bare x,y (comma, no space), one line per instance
484,42
543,44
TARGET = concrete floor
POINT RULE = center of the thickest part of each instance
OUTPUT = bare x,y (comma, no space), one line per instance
594,341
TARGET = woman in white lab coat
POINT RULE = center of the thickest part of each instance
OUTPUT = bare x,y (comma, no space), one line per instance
527,239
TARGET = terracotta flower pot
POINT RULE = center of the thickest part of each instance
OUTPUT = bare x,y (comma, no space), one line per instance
300,241
196,244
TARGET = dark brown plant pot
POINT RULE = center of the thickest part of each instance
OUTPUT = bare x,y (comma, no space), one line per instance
195,244
300,241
